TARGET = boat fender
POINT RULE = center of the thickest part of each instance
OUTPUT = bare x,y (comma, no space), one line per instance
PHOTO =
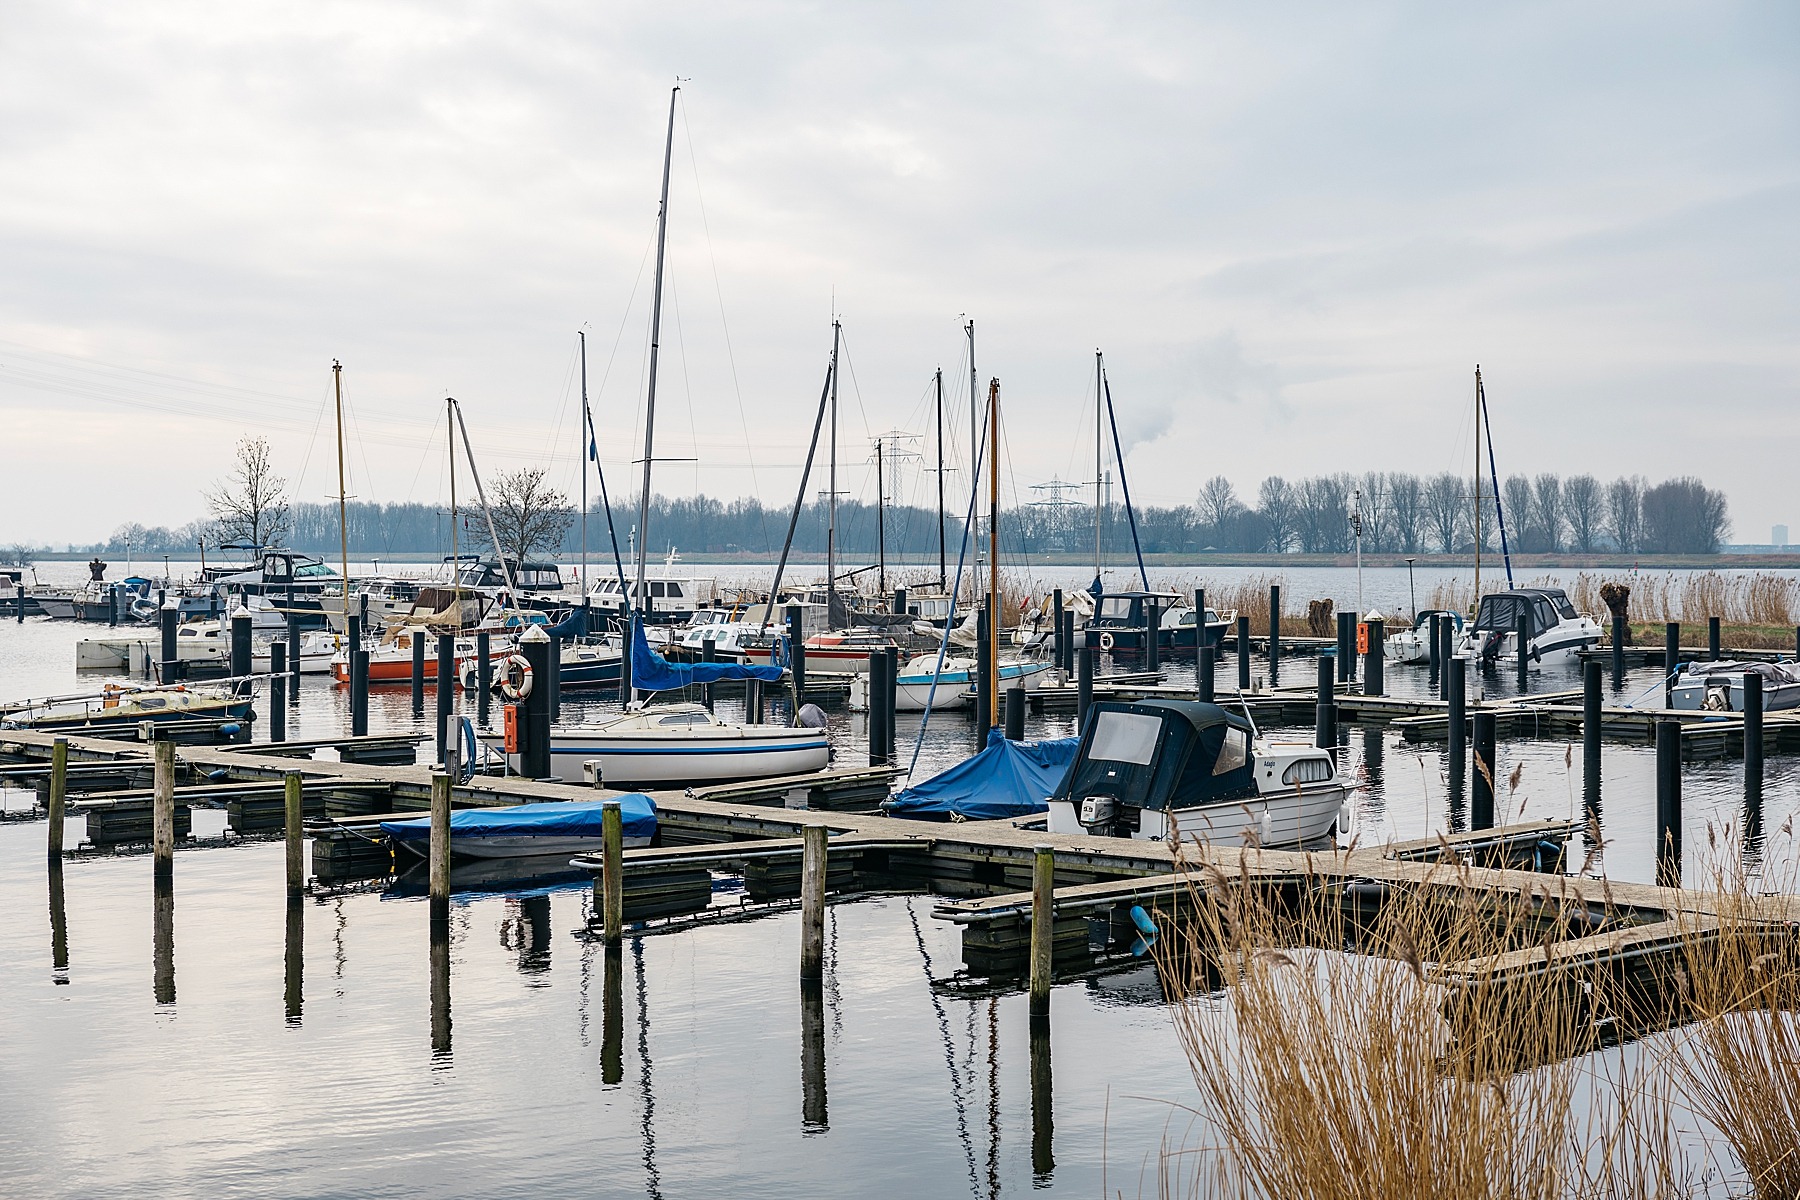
219,776
470,749
230,729
1106,640
1142,920
515,677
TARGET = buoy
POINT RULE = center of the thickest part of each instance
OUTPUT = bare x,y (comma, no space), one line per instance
515,677
1142,920
230,729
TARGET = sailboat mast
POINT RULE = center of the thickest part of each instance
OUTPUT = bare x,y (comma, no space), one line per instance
1478,485
974,433
880,523
450,448
662,238
943,576
994,546
582,459
1099,457
337,387
831,484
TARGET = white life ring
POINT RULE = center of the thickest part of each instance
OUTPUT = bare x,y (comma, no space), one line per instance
1106,639
515,677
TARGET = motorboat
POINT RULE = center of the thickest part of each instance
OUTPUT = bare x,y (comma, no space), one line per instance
1120,619
844,652
1414,645
668,601
392,660
1180,628
118,704
1155,770
913,685
531,830
1555,632
1719,686
318,647
582,664
666,744
293,582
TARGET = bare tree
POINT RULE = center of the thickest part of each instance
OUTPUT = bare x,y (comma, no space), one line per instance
1218,504
1445,505
1406,502
1520,532
1275,502
1625,512
1547,511
1322,513
1581,503
1684,516
530,517
251,504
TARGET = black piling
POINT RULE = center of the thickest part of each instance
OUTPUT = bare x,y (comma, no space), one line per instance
1668,803
293,641
278,686
1346,647
1243,653
534,743
1481,814
1591,719
1200,642
1057,612
1152,635
899,602
1437,649
168,615
1373,664
1325,709
1618,651
240,645
890,700
112,605
1084,685
446,690
418,674
796,624
1445,652
1522,636
19,600
359,692
1015,714
1274,631
709,652
553,678
1066,644
1456,695
1671,660
1205,669
484,676
1713,653
984,696
878,662
1753,737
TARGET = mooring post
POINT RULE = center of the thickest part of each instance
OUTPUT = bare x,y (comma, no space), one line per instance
240,647
1206,682
1481,814
1346,646
812,902
162,938
1274,630
1591,719
446,688
553,678
877,663
353,634
1152,635
1618,651
753,701
296,849
984,696
293,984
1753,736
1043,925
1015,714
112,604
59,790
612,878
168,616
1671,660
1324,719
19,599
484,677
1456,693
293,641
1056,617
439,846
1435,627
709,652
1243,653
359,692
278,689
1522,636
535,757
1713,649
162,809
1374,664
1446,652
418,674
890,700
1084,685
1668,803
1065,643
796,632
1200,642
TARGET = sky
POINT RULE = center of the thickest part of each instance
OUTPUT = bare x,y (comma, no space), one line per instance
1294,230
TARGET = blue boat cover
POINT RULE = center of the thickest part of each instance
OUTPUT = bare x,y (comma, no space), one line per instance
651,672
572,626
580,818
1008,779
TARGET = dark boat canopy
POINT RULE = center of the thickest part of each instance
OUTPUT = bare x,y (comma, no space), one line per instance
1546,607
1162,754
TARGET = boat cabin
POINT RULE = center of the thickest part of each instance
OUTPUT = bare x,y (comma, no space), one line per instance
527,577
665,599
1546,608
1157,755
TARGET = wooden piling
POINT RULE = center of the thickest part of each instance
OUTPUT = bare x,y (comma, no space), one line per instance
59,789
1243,652
278,689
812,901
162,812
296,849
612,833
439,848
1043,925
1668,803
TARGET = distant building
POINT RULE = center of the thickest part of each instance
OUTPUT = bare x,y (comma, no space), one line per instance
1778,535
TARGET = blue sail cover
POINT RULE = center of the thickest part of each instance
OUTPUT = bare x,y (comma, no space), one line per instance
580,818
572,626
1008,779
651,672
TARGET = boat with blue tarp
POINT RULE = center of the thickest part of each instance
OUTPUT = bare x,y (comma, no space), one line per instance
1007,779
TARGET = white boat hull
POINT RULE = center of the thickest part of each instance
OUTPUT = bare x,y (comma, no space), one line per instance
952,687
625,759
1690,694
1290,817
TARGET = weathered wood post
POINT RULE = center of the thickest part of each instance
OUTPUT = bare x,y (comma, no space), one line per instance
446,689
1481,815
1713,649
1591,720
812,902
1668,803
1243,652
162,809
1671,660
1325,716
1753,737
1084,685
278,690
612,879
1043,925
418,674
59,790
296,847
439,846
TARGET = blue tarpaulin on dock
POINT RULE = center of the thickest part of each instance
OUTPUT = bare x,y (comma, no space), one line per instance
579,818
651,672
1008,779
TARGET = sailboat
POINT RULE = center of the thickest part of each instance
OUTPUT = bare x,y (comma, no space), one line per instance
674,743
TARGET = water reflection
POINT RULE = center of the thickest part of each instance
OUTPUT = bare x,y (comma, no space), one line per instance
295,958
163,939
440,993
612,1019
529,935
59,925
813,1115
652,1176
1043,1118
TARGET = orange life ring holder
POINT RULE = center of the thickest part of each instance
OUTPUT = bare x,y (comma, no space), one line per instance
515,677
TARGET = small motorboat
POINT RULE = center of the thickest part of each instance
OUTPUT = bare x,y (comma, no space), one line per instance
1157,769
1555,632
1719,686
118,704
530,830
680,743
913,684
1414,645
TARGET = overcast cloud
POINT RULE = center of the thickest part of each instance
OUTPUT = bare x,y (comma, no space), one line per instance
1292,229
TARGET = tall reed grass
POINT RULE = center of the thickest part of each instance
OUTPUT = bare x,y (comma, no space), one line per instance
1762,598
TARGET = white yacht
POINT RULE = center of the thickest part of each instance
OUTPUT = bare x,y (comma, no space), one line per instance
1555,632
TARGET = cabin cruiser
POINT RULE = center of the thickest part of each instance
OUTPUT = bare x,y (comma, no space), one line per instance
1120,619
1157,769
667,601
1555,632
286,579
389,599
122,704
1414,645
667,744
1719,686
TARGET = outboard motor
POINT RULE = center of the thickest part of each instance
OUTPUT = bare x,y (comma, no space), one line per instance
1098,812
1490,648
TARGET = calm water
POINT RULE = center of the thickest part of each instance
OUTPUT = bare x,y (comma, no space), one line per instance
210,1072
